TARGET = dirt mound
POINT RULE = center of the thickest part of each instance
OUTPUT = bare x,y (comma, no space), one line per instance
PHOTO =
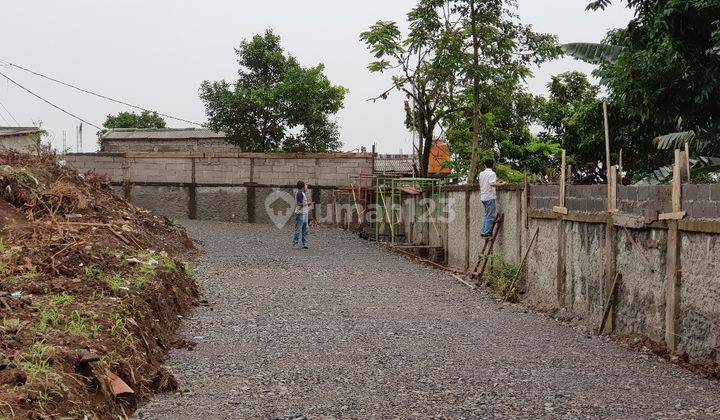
91,292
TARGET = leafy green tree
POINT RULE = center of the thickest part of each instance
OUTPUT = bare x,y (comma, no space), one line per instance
661,72
426,68
572,117
276,104
126,119
462,60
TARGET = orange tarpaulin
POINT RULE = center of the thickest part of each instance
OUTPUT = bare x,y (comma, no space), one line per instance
439,154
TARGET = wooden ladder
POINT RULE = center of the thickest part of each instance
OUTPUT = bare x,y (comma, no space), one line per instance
487,249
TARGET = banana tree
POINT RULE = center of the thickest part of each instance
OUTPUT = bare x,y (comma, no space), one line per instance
704,149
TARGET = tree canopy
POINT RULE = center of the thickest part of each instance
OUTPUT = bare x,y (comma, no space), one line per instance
276,104
462,68
126,119
662,73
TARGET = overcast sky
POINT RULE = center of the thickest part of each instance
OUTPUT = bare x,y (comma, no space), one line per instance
156,54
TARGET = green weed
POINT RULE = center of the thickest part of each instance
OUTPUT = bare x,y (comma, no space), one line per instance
61,300
116,282
42,380
10,328
501,276
77,324
189,269
92,272
49,318
21,278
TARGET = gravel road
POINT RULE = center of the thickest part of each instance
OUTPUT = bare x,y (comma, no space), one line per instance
350,330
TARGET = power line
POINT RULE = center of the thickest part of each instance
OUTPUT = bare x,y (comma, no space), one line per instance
99,95
10,114
48,102
4,119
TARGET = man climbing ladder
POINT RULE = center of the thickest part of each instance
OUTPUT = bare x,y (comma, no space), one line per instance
488,181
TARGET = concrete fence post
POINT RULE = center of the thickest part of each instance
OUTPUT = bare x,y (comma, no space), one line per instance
192,192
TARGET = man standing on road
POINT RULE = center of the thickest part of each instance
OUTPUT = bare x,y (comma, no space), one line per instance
302,210
488,181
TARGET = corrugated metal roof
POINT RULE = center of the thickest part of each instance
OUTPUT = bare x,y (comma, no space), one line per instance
394,164
161,134
17,131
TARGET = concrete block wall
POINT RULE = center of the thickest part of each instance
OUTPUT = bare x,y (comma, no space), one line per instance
221,186
109,165
20,144
569,264
325,171
155,145
699,320
699,201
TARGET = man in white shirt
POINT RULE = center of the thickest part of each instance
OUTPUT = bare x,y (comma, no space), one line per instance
488,181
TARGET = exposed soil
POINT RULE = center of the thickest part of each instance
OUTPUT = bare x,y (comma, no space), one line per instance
91,288
348,329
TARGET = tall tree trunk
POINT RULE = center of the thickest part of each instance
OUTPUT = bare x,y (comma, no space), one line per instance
425,157
476,94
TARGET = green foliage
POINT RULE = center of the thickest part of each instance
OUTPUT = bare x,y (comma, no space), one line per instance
77,324
126,119
10,328
92,272
665,80
432,67
49,318
115,282
593,53
501,275
276,104
189,269
44,383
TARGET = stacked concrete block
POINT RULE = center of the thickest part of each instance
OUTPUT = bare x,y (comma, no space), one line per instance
586,198
701,201
544,197
222,171
111,166
160,170
653,198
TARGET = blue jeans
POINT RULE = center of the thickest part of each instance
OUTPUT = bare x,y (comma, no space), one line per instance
301,228
489,218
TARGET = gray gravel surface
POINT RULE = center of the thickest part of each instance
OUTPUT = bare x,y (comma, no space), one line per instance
350,330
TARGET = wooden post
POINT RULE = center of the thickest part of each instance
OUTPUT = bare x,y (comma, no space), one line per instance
561,208
607,147
677,184
608,302
612,190
677,212
620,168
687,160
672,282
526,201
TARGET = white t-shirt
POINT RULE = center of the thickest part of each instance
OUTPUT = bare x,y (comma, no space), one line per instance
301,202
487,191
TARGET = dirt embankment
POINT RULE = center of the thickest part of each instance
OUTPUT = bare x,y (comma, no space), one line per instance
91,292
